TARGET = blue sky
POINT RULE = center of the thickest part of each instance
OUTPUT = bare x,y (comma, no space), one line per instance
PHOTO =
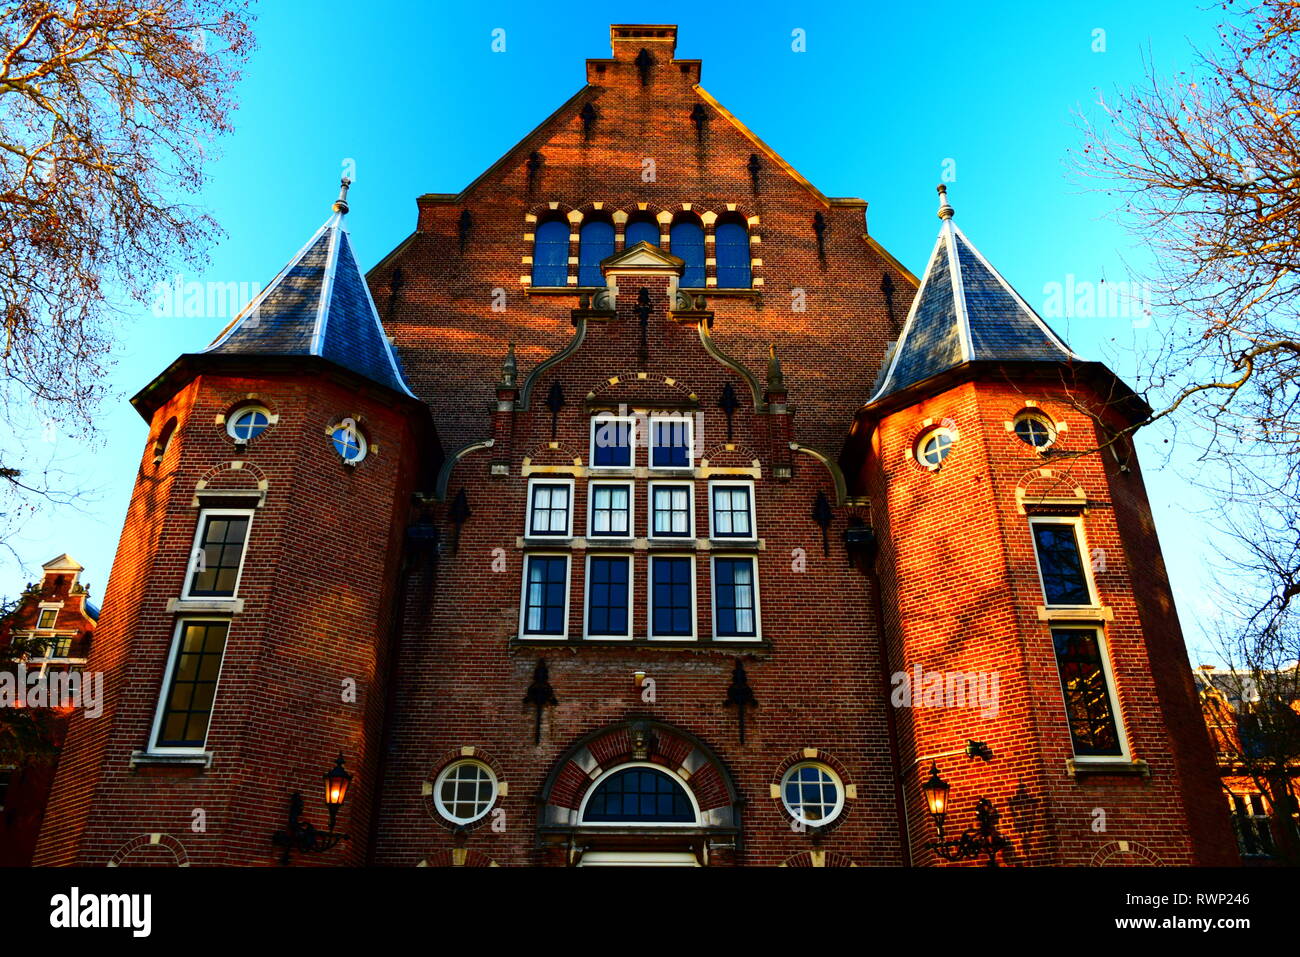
882,98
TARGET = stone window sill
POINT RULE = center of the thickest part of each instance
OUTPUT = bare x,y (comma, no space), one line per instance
1095,613
1119,767
198,606
194,759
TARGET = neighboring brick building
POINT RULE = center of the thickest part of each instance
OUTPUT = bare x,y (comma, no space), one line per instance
55,620
615,555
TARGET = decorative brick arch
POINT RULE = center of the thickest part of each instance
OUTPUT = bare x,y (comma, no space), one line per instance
150,850
463,753
817,755
641,378
819,858
554,454
237,475
1049,486
1126,854
457,857
645,741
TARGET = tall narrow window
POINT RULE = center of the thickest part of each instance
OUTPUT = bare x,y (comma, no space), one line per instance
641,230
1061,564
611,510
671,442
551,254
687,238
735,598
1089,707
218,554
613,439
550,509
732,510
732,244
196,664
596,242
672,596
608,596
546,596
671,510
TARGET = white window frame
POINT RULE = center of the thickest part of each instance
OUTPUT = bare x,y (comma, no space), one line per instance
523,595
586,594
156,729
442,776
591,509
528,518
918,447
1085,556
650,598
713,597
748,484
690,506
1112,693
192,570
41,611
689,421
251,407
604,418
1053,431
839,791
662,769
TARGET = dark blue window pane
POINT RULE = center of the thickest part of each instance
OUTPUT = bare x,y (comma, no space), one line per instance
1064,580
1087,698
641,231
607,596
674,614
733,255
546,592
551,254
734,598
612,444
672,444
639,795
688,245
596,243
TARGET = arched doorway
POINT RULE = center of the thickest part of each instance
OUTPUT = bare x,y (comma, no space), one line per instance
639,793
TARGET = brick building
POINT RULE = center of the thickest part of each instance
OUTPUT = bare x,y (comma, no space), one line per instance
48,632
600,523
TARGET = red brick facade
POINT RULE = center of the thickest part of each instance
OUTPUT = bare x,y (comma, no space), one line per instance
410,579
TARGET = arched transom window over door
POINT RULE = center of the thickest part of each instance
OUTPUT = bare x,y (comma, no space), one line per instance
639,794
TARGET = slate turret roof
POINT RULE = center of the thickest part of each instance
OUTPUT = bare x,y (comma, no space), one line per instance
964,312
318,305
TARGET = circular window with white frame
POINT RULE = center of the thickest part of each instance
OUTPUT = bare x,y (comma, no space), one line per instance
349,442
933,446
1035,430
248,422
465,791
812,793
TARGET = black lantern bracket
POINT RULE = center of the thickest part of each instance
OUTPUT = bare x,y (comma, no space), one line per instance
299,834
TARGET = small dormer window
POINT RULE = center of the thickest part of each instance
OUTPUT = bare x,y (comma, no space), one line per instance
349,442
248,423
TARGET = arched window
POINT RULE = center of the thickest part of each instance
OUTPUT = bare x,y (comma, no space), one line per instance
639,795
687,237
596,242
732,237
551,254
643,229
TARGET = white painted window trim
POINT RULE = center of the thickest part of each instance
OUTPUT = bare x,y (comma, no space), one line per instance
591,508
363,443
528,519
839,793
713,597
523,595
918,447
442,776
241,410
689,421
748,484
650,598
161,708
604,418
586,594
1085,556
1112,694
192,566
1053,430
650,510
662,769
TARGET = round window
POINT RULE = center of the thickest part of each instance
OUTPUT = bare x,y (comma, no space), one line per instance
465,791
1035,430
348,441
812,793
934,447
248,423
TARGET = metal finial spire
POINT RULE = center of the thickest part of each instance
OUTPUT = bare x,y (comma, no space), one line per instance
775,378
509,369
341,204
945,211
